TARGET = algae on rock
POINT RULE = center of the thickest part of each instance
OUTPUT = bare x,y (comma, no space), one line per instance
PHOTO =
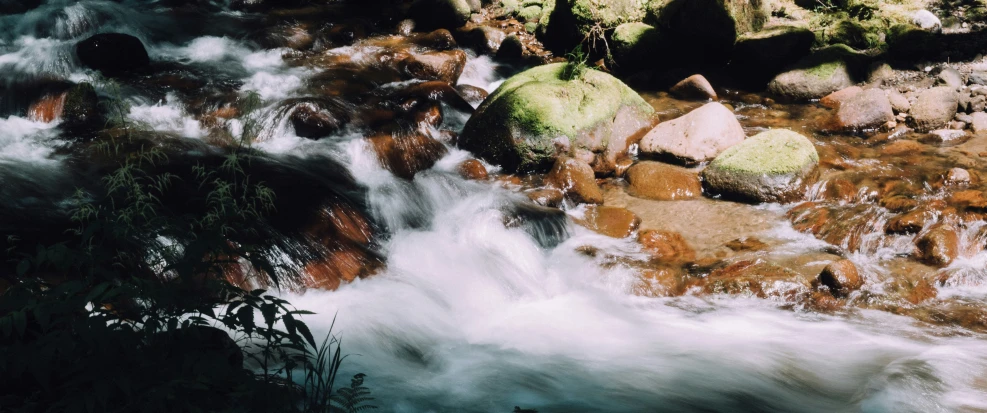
772,166
536,115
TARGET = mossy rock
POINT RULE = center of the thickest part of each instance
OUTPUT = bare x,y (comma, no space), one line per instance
705,31
856,34
773,166
635,46
566,23
531,14
758,57
537,114
907,42
821,73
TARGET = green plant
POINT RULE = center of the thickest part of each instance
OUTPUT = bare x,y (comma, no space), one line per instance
575,64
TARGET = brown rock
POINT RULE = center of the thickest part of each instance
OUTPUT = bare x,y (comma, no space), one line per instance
833,100
694,87
472,94
407,154
660,282
576,179
548,197
312,121
473,169
746,244
921,292
908,223
898,203
899,103
666,246
841,190
865,110
939,246
902,147
610,221
841,277
695,137
934,108
47,109
446,66
969,199
754,278
655,180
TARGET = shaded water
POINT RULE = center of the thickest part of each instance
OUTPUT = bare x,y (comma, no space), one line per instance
486,302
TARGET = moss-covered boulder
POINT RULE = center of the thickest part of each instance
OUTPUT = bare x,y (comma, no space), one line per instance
635,46
853,33
566,23
773,166
760,56
705,31
441,14
821,73
548,110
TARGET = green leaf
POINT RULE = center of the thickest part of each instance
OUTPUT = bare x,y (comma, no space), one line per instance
306,333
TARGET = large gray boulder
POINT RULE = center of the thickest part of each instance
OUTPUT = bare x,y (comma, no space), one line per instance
773,166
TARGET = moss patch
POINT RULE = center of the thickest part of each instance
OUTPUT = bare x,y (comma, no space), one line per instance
775,152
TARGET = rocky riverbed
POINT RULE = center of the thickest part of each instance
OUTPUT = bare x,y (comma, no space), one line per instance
801,184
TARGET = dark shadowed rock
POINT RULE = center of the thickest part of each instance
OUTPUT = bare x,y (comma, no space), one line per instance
112,53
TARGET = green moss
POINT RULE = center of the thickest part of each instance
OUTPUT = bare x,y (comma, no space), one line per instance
519,123
608,13
531,13
775,152
510,7
824,70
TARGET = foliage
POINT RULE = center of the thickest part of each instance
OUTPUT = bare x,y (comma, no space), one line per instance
133,314
575,64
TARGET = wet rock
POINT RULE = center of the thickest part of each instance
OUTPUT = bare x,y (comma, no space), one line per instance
666,246
81,113
866,110
902,147
312,121
112,54
833,100
548,197
705,31
754,278
969,199
841,277
773,166
946,136
925,20
407,154
445,66
428,114
841,190
511,49
908,223
660,282
746,244
698,136
957,176
610,221
635,46
899,103
48,108
819,74
576,179
694,87
484,39
760,56
340,266
898,203
654,180
472,94
539,113
440,39
950,77
939,246
920,292
934,108
441,14
473,169
978,122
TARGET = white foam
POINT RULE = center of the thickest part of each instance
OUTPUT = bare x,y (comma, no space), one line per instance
167,116
24,140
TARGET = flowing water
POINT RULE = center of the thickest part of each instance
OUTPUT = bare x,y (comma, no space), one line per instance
485,303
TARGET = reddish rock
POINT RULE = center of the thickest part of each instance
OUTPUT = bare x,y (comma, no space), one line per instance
833,100
841,277
446,66
694,87
660,282
473,169
921,292
472,94
666,246
655,180
576,179
754,278
841,190
47,109
338,267
407,154
969,199
902,147
312,121
746,244
610,221
908,223
549,197
939,246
